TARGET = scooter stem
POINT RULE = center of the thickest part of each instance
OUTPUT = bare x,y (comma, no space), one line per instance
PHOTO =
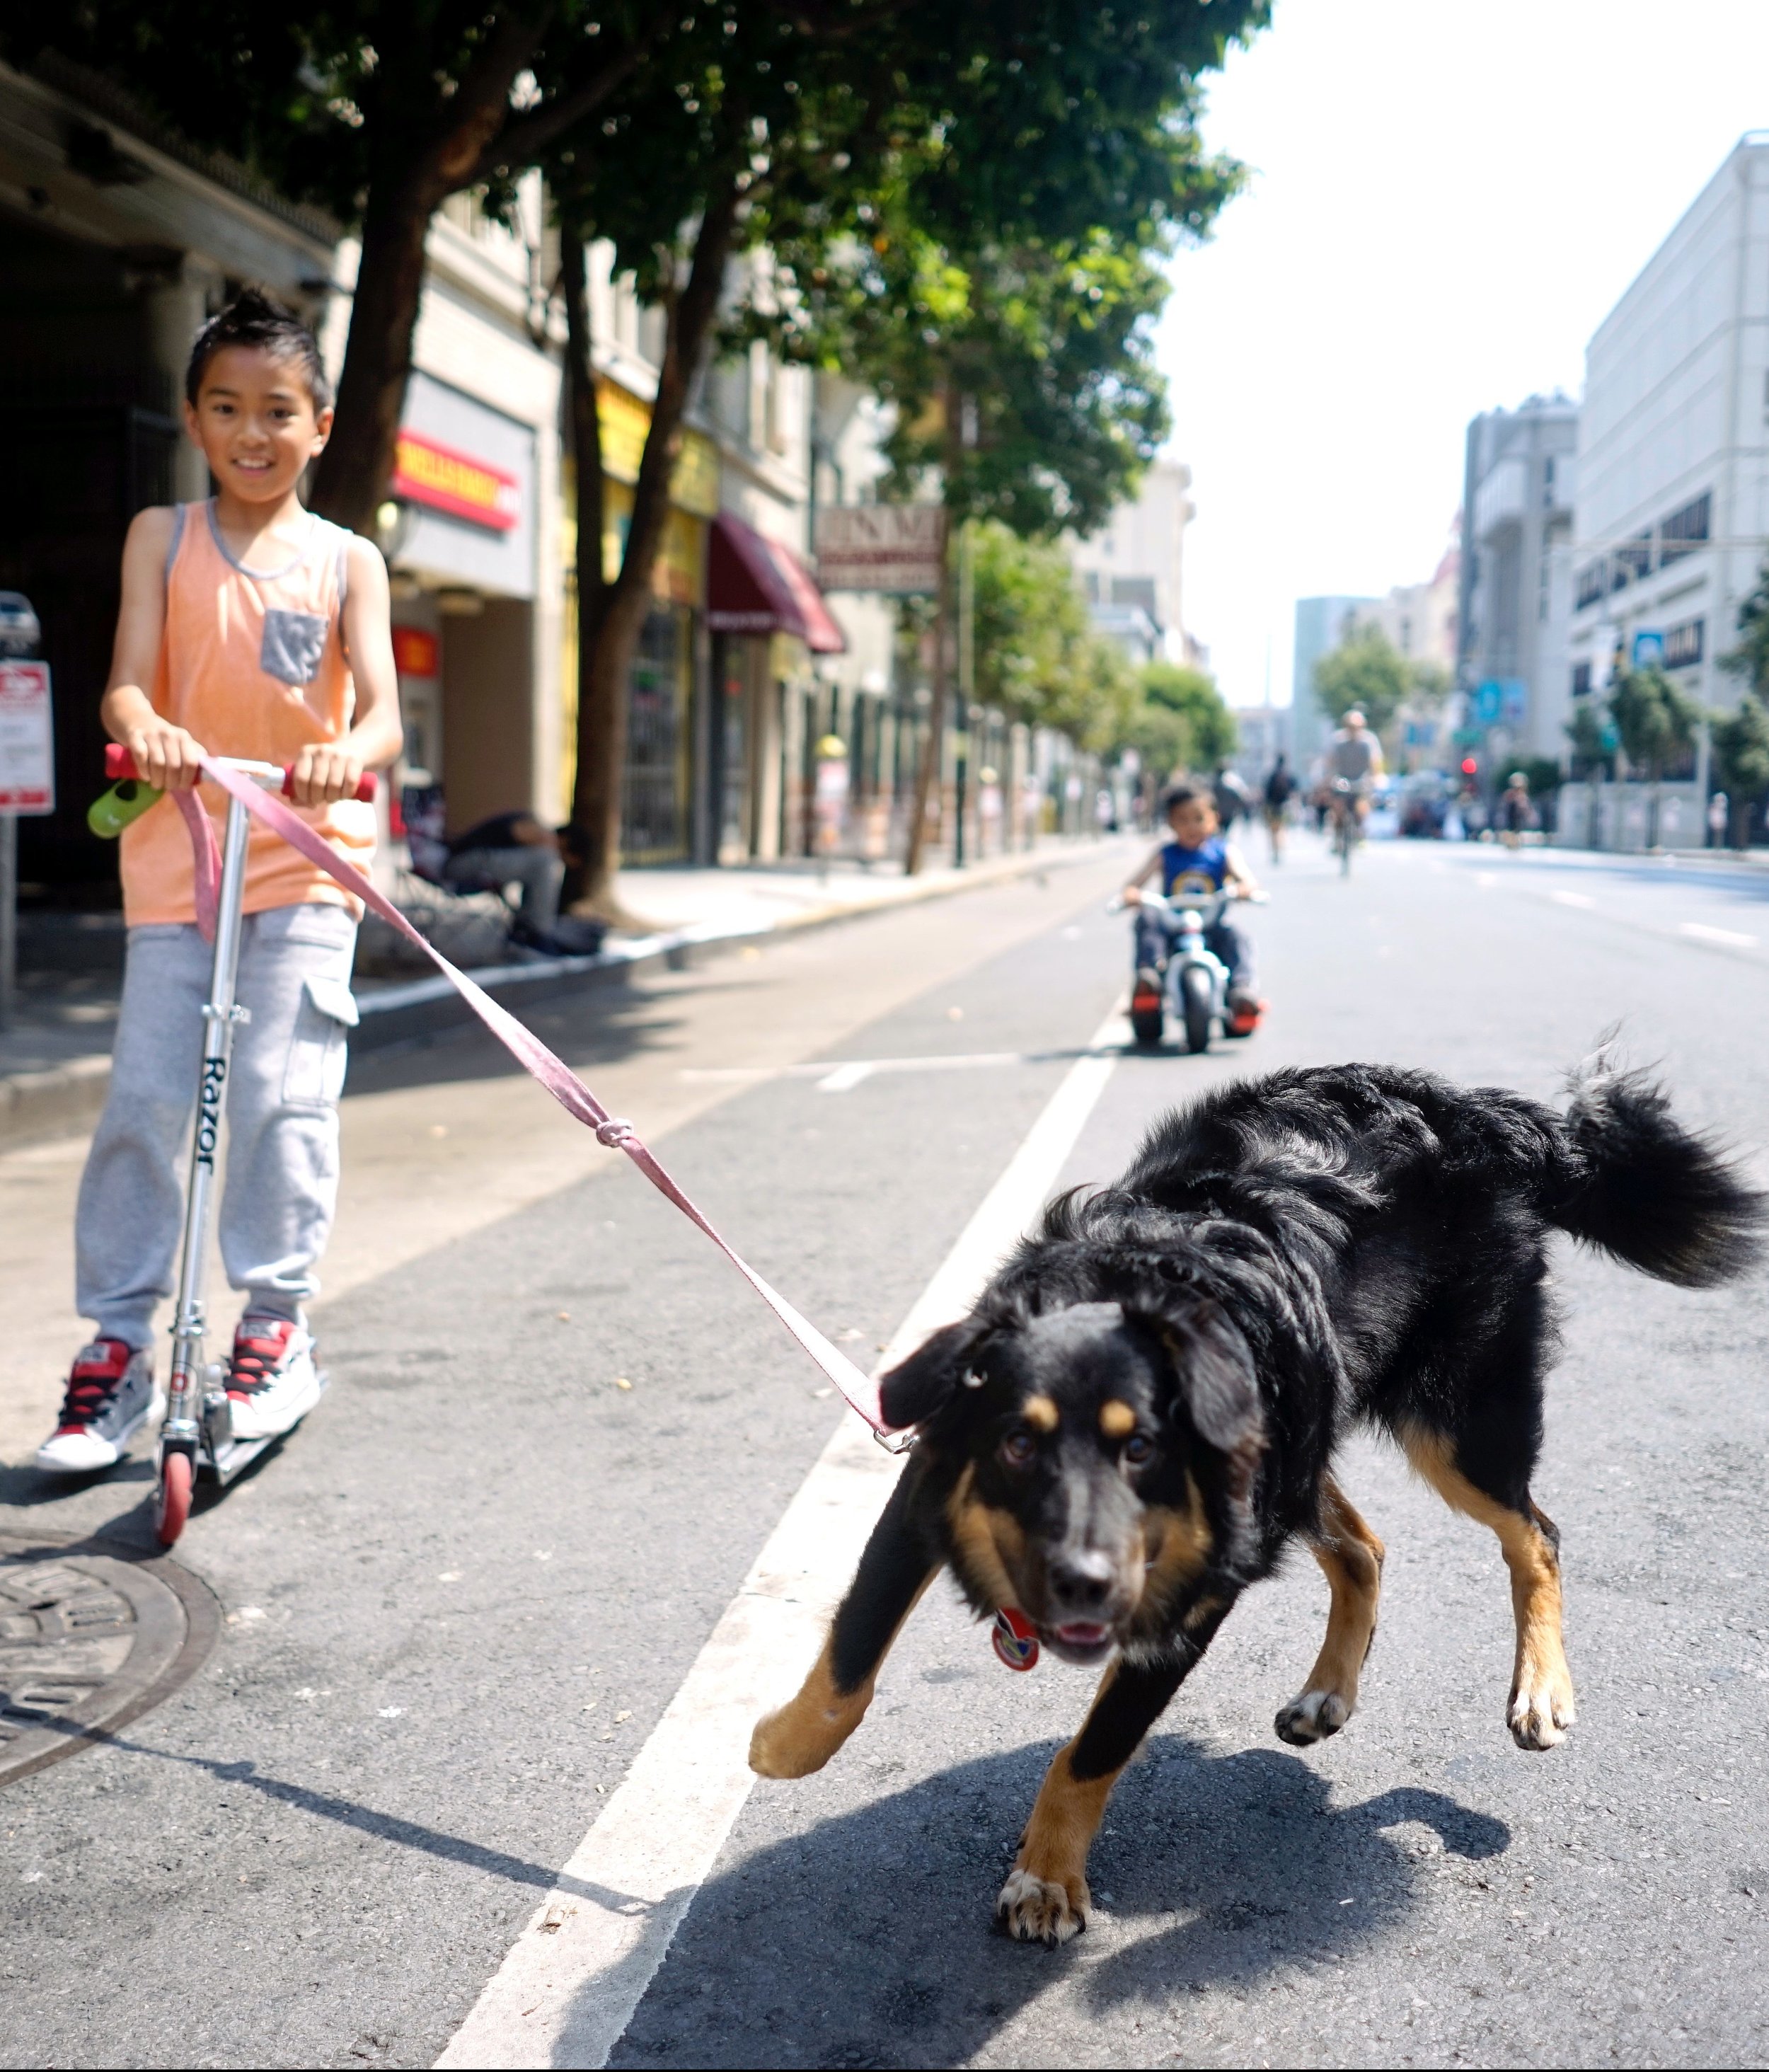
220,1015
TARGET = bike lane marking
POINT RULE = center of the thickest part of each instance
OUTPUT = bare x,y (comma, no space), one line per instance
568,1985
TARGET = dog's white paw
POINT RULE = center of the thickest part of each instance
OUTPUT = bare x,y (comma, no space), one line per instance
1312,1717
1541,1708
1034,1910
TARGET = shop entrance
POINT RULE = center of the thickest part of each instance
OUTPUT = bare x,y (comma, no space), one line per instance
655,795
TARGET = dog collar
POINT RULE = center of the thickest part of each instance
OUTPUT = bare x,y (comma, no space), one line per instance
1016,1640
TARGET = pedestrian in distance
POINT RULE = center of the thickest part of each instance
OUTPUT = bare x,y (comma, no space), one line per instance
515,849
1197,860
1514,816
1279,790
1232,798
250,627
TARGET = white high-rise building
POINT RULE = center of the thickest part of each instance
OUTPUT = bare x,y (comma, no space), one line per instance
1671,516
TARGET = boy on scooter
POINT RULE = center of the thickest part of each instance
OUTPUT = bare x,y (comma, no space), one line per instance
1196,862
248,628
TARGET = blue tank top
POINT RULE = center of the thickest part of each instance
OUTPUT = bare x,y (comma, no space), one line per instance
1193,871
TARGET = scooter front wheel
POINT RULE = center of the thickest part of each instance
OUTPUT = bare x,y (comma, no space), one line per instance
1200,1000
178,1479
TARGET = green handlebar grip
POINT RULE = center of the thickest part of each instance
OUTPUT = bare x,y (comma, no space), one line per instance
112,811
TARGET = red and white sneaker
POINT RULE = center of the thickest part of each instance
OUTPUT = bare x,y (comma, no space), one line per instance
110,1396
1245,1011
273,1382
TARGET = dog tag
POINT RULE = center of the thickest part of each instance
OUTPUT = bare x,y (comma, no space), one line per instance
1015,1641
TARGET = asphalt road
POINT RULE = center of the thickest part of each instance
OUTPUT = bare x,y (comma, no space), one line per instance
460,1599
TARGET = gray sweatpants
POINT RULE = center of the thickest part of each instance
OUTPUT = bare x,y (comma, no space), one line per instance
287,1074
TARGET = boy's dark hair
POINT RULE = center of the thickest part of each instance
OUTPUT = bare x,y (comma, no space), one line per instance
1183,794
255,319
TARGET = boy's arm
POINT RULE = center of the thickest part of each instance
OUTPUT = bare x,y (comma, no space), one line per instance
1240,879
328,770
1132,890
166,755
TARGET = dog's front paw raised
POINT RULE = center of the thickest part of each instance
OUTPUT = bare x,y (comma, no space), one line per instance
1311,1717
1033,1910
1541,1708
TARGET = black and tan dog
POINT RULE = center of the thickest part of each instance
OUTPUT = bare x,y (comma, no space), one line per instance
1141,1411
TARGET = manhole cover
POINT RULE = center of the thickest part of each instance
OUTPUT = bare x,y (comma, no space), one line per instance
89,1639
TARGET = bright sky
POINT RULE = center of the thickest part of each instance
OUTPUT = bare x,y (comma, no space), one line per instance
1448,196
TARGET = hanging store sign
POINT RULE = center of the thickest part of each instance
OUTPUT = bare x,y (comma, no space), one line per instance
625,424
896,547
27,740
441,478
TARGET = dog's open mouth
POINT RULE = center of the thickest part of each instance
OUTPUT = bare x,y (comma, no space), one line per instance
1080,1640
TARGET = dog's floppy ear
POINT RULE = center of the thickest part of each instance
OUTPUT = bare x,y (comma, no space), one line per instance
915,1388
1214,1373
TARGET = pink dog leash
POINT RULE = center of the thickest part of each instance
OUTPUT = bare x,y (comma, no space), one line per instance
860,1390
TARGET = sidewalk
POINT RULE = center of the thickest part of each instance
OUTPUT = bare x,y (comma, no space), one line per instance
54,1062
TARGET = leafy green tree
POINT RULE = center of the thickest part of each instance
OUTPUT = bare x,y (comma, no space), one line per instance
1365,673
1037,657
1750,658
1209,735
1656,723
1741,760
377,110
1585,731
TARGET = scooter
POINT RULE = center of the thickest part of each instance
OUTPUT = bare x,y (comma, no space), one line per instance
1197,981
196,1439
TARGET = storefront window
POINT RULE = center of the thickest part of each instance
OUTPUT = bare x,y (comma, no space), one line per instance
655,797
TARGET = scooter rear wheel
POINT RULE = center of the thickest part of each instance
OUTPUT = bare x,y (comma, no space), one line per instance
177,1478
1145,1026
1199,1001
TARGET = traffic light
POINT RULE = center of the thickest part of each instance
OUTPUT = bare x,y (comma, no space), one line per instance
1469,765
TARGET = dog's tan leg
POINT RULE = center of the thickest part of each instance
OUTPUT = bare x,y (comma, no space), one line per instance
1541,1706
1350,1559
1045,1899
809,1727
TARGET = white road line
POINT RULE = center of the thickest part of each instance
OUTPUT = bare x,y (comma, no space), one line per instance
566,1991
1571,899
1730,936
838,1079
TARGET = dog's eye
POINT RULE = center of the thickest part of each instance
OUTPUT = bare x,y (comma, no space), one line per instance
1138,1448
1018,1448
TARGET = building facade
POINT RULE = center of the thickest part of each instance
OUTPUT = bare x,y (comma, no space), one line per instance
1133,569
1672,504
1519,471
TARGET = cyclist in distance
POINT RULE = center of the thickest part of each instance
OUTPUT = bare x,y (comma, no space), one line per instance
1354,761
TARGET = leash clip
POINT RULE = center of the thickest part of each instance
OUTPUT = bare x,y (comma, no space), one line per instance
1016,1640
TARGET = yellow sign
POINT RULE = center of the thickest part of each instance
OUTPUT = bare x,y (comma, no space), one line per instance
625,423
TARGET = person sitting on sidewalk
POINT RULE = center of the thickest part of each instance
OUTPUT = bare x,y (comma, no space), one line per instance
515,849
248,628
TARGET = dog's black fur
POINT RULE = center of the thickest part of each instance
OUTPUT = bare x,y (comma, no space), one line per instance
1142,1409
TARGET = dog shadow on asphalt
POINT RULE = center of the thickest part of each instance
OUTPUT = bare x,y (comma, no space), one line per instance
868,1941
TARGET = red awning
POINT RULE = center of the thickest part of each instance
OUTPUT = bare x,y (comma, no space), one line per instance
754,584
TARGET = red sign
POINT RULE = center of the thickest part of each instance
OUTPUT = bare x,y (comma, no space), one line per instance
27,755
425,471
416,653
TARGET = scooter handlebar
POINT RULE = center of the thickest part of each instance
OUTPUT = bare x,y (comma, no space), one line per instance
119,764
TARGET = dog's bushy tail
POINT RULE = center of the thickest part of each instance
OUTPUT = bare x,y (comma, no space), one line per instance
1634,1182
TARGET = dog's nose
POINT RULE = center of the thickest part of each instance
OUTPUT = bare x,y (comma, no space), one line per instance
1082,1578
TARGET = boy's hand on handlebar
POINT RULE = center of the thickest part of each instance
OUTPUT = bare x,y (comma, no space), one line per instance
324,771
166,755
1131,896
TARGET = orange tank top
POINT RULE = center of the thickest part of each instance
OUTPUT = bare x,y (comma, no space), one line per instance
252,662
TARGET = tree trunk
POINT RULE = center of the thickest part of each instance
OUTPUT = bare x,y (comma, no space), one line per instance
583,416
605,649
928,771
358,463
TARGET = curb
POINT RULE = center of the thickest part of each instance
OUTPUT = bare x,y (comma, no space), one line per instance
65,1100
405,1014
